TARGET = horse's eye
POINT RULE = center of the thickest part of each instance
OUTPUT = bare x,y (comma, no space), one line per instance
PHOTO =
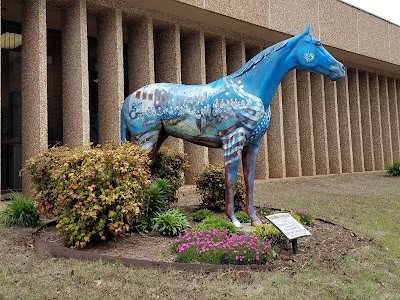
318,44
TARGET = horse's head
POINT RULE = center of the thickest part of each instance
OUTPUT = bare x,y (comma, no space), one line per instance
310,55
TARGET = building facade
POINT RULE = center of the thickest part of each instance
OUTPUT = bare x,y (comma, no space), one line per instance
67,65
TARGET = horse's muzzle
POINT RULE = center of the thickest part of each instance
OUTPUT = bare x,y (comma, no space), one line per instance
337,72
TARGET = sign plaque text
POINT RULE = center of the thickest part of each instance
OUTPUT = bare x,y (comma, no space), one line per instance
288,225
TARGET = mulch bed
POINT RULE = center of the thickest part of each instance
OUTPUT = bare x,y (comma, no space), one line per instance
326,246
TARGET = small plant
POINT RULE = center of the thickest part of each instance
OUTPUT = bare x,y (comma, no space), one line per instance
270,233
265,211
201,214
295,216
160,194
170,223
220,247
170,165
214,222
303,216
243,217
211,186
182,210
393,169
21,211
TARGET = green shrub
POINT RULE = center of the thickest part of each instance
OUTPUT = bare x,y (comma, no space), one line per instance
269,232
303,216
215,222
170,223
393,169
265,211
211,186
201,214
161,192
243,217
169,165
94,193
21,211
295,216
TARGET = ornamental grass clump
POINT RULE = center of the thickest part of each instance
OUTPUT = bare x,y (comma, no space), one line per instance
393,169
161,192
220,247
20,211
95,193
171,222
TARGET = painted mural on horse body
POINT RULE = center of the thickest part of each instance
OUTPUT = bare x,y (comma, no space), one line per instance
232,113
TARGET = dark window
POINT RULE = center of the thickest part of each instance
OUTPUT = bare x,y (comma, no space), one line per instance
11,152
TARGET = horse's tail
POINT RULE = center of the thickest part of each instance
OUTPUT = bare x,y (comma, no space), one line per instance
125,133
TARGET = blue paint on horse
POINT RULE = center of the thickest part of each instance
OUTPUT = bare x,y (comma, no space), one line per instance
232,113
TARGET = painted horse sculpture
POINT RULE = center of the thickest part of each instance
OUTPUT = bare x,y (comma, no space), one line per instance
232,113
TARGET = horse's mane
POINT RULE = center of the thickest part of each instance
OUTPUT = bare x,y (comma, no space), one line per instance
258,58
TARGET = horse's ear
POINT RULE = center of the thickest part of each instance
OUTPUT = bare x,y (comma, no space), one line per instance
306,31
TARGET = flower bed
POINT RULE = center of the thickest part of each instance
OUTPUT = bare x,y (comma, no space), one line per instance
221,247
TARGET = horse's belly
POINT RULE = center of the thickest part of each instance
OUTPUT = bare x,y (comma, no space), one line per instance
192,134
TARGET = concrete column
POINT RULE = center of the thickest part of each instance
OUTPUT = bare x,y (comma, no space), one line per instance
397,94
355,120
346,152
332,127
262,164
305,123
366,123
111,75
167,53
319,124
34,83
140,54
0,102
194,72
215,69
291,125
235,56
394,119
376,117
251,52
275,135
385,119
75,75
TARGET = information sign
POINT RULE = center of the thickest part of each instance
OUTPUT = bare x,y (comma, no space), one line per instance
288,225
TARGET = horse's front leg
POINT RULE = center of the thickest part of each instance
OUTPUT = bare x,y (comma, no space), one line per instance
249,154
231,169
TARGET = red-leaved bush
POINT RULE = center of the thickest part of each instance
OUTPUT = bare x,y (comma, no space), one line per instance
93,192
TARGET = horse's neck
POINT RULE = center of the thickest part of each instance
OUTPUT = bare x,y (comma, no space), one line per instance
263,79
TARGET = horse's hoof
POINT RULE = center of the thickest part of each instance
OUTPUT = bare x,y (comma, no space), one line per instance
256,222
236,223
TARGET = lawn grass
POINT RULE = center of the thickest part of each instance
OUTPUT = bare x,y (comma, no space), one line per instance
369,204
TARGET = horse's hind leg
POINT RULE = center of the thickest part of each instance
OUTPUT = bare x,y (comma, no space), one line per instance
249,154
231,169
162,136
